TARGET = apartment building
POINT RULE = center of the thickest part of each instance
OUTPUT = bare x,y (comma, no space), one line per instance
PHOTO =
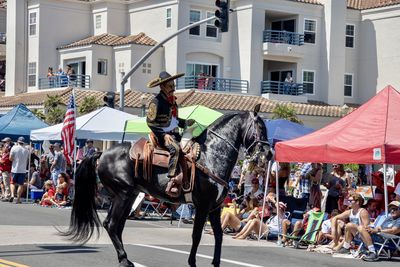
335,51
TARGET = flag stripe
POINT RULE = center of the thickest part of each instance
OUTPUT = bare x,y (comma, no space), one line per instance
68,131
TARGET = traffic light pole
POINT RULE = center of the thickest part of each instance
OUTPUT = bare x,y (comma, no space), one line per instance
150,52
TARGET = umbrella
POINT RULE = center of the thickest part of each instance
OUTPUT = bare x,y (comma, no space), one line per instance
204,117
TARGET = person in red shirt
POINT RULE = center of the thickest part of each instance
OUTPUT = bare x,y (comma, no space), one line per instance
5,168
48,195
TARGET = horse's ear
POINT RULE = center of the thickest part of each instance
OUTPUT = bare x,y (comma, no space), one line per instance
257,109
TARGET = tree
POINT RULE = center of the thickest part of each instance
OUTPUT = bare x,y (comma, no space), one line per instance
286,112
89,104
38,113
54,114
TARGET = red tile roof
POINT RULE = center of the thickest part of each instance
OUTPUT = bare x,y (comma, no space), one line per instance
358,4
112,40
218,101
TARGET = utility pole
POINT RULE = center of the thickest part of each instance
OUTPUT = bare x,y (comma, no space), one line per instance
151,51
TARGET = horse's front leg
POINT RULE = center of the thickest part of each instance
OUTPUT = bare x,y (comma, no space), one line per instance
199,220
215,219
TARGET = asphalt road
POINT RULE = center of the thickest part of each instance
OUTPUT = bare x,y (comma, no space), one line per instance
28,237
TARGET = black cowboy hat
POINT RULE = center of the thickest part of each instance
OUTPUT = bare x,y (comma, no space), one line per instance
163,77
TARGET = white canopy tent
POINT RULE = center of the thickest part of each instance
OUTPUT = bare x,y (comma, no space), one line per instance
102,124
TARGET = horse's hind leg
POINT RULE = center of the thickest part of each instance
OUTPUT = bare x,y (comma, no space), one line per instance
200,219
115,223
215,220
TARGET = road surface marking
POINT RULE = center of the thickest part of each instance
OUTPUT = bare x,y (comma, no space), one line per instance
198,255
4,263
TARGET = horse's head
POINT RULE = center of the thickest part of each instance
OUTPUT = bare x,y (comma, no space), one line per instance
255,138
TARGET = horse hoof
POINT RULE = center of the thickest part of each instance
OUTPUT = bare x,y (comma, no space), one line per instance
126,263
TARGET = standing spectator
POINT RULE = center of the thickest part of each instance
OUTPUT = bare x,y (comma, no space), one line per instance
19,156
304,181
89,149
71,75
62,79
315,191
335,187
7,141
50,76
5,168
58,165
283,176
288,83
50,155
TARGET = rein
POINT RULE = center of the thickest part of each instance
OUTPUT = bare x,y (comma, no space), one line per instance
223,139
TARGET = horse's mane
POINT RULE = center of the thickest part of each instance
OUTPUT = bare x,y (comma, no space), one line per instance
215,125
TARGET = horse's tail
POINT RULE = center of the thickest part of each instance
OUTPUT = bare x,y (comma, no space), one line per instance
84,219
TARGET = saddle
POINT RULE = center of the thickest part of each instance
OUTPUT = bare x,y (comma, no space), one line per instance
150,153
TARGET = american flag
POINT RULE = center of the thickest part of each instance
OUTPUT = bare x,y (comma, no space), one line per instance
68,131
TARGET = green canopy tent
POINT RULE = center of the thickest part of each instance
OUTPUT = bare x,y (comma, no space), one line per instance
202,115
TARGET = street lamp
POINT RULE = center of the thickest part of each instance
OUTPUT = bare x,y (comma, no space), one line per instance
143,102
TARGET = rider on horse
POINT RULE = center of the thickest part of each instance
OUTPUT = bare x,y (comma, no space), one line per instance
162,119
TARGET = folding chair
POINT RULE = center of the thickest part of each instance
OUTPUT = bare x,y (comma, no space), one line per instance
390,244
153,208
310,236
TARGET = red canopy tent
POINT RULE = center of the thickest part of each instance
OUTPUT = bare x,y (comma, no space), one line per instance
368,135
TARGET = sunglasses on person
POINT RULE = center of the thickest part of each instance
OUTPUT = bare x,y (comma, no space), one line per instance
394,209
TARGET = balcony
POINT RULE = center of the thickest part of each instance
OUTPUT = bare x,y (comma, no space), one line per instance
283,91
212,84
80,81
279,45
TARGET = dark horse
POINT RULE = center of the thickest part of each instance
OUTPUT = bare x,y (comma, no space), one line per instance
220,145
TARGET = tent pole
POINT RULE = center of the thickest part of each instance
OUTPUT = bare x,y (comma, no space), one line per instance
265,195
29,172
385,188
277,203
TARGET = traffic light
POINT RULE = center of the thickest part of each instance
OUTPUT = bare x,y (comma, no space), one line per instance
222,14
109,99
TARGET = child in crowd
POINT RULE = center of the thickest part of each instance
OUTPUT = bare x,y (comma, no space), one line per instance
47,197
60,199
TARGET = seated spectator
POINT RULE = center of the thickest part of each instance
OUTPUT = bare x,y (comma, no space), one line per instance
35,181
270,226
48,195
59,199
237,221
325,235
255,191
391,225
63,180
356,217
299,228
372,208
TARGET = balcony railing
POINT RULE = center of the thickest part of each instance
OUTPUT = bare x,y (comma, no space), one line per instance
281,88
3,38
212,84
283,37
80,81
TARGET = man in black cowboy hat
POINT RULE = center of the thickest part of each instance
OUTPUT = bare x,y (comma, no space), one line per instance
162,119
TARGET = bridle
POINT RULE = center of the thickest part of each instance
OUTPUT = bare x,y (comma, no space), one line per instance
256,133
257,139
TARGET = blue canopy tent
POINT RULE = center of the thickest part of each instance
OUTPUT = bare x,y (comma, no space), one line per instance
19,122
282,130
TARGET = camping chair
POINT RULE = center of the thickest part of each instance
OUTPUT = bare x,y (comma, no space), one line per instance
310,236
154,208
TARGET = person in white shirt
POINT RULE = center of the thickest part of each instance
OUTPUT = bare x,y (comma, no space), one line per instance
19,157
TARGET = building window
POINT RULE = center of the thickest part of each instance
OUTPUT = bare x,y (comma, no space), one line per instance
194,17
146,68
211,30
102,66
308,82
121,67
98,21
309,31
350,36
168,18
31,74
32,23
348,85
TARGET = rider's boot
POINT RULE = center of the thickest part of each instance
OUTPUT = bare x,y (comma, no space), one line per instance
174,185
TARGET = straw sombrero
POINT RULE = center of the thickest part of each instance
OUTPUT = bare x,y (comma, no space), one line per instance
162,78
